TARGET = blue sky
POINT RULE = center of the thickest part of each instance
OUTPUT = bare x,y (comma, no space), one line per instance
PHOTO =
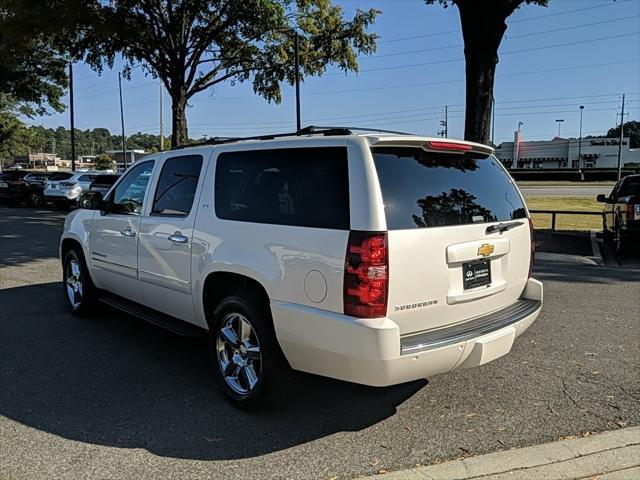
575,52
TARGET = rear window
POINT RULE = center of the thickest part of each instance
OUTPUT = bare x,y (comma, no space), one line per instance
56,177
422,189
630,186
306,187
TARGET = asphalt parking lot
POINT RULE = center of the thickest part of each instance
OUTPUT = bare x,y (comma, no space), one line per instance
112,397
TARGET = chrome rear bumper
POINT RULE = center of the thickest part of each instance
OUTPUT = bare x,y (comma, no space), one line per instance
414,343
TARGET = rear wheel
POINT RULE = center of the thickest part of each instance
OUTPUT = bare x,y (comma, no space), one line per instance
78,287
247,361
620,242
35,199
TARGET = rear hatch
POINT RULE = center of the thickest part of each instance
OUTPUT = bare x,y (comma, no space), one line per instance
458,234
59,182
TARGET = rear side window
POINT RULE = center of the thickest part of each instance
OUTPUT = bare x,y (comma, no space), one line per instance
105,179
177,185
306,187
422,189
86,178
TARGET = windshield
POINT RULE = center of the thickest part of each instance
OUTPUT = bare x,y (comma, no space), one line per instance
423,189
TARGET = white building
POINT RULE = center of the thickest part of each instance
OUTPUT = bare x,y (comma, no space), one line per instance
131,155
598,152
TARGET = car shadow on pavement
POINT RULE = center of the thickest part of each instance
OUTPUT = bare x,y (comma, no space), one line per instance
116,381
26,233
581,273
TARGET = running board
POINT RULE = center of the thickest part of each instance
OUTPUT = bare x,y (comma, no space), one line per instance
155,317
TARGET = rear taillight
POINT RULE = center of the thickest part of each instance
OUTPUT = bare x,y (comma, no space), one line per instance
450,146
366,275
630,212
533,247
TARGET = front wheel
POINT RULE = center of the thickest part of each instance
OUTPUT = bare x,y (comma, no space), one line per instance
247,361
78,287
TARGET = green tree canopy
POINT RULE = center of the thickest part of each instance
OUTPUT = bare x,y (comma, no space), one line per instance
35,38
103,162
630,129
193,45
483,25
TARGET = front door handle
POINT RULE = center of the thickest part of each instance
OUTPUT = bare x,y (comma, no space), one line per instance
128,232
177,237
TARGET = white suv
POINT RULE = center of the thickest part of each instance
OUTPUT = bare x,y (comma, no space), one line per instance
374,258
64,188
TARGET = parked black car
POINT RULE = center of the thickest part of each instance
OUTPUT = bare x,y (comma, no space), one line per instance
13,188
621,223
103,183
36,181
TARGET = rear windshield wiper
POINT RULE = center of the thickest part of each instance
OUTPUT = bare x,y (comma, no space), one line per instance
502,227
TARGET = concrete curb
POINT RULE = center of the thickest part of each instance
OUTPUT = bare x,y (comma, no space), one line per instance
597,254
609,455
565,258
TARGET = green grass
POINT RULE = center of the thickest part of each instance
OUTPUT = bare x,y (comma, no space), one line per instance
551,183
565,222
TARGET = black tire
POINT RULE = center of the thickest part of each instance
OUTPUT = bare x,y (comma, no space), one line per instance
272,370
620,242
35,200
74,273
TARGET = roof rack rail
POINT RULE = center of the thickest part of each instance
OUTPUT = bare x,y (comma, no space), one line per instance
310,130
352,129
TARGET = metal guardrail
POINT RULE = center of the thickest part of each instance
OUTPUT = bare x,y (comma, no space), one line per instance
554,213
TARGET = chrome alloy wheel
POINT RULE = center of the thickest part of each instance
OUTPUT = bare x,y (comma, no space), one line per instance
238,352
73,278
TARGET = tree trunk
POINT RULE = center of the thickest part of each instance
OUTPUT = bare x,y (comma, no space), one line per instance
480,74
178,118
482,29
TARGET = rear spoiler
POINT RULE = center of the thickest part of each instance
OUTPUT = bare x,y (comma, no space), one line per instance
431,144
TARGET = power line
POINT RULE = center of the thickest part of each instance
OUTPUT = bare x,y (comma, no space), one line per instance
509,37
425,35
453,60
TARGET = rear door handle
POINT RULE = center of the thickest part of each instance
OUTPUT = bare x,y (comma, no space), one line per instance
128,232
177,237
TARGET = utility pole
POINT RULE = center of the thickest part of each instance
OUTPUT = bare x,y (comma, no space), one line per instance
516,145
124,148
621,137
493,122
161,125
297,67
73,133
580,140
445,123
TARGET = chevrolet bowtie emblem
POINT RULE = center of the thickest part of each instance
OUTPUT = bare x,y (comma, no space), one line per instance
486,250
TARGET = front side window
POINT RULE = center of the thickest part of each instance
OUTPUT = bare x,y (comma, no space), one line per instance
307,187
177,185
128,196
423,189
